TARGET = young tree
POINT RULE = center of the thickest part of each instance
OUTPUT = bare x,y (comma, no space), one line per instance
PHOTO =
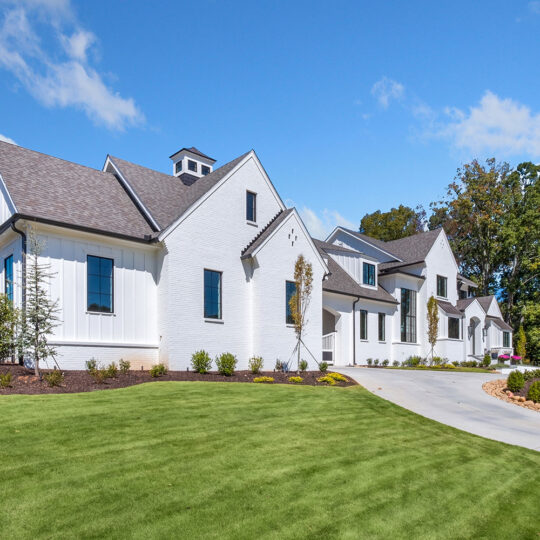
40,317
9,318
299,301
521,343
433,322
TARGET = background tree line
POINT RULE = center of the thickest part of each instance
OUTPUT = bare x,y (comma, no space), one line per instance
491,214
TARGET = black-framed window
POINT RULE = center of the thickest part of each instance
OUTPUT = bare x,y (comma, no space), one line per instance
453,328
369,273
100,284
212,294
8,277
290,291
363,324
408,316
442,286
205,170
178,166
506,339
382,326
192,165
251,206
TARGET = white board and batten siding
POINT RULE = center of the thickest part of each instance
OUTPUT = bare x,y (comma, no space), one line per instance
130,332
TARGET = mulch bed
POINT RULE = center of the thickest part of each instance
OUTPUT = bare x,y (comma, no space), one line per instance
24,382
498,389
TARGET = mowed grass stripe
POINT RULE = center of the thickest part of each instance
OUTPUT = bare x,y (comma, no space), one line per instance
219,460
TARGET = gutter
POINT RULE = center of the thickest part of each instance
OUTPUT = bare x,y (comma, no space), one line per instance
354,329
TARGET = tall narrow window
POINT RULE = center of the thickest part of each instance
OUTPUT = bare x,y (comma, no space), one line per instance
369,274
251,206
212,294
8,277
363,324
192,165
382,326
178,167
453,328
290,291
506,339
442,286
408,316
99,284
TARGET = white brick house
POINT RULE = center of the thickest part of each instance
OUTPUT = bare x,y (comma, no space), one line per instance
151,267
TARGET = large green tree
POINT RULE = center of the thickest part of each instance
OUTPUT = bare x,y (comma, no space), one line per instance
396,223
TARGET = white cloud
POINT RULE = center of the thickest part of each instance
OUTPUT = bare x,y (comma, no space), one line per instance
534,7
320,226
495,125
6,139
55,81
386,90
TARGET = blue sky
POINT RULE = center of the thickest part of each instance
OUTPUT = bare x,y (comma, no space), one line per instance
351,106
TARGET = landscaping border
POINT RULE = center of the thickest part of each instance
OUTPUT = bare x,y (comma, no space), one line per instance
497,388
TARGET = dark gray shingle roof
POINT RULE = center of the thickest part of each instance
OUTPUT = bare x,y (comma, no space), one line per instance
49,188
164,195
485,301
193,150
464,303
447,307
500,323
265,232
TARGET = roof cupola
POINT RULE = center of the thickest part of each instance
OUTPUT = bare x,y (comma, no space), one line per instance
190,164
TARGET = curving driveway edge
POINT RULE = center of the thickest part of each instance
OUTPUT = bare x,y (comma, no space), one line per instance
455,399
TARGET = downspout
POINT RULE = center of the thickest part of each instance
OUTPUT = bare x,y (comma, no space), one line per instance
23,271
354,330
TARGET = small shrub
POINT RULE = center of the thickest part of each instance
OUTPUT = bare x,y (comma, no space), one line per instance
100,375
296,380
91,365
437,361
448,366
5,380
226,363
376,362
326,379
54,378
369,361
486,362
112,370
125,366
532,374
279,365
158,370
385,362
534,392
455,363
323,367
201,362
303,365
338,377
395,363
263,379
255,364
413,361
515,381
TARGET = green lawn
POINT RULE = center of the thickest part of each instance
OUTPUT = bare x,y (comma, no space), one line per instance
224,460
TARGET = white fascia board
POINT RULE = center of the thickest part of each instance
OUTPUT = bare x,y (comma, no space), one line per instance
339,228
131,191
304,230
7,196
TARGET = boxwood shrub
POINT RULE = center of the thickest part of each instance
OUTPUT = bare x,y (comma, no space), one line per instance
226,363
515,381
201,362
534,392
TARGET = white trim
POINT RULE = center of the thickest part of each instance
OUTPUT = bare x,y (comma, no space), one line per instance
104,344
131,191
361,240
9,200
304,230
250,155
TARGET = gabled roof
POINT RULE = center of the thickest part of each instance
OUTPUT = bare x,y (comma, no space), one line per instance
485,302
165,196
379,244
411,249
463,303
333,247
265,232
193,150
466,281
500,323
48,188
448,308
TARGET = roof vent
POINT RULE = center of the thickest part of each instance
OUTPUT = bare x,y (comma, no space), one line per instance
190,164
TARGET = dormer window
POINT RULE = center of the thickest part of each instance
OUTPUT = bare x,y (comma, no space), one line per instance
251,206
368,274
192,165
442,286
205,170
178,167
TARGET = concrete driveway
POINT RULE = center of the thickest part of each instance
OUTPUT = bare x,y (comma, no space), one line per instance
455,399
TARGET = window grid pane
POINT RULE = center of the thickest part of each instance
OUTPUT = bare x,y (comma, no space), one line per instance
100,277
363,324
382,327
8,277
408,316
251,199
212,294
453,328
369,274
290,291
